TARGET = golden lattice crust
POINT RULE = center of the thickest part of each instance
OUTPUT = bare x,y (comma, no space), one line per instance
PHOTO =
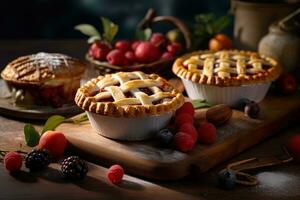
170,99
227,68
42,67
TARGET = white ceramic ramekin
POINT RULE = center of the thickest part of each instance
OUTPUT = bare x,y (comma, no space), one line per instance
226,95
131,129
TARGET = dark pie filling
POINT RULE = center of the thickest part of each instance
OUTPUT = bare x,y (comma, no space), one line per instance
127,95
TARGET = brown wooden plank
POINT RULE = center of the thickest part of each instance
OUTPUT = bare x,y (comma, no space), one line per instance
145,159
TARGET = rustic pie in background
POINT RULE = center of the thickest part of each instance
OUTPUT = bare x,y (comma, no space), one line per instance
44,79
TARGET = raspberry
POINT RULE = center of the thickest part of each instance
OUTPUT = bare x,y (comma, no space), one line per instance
183,118
115,174
13,161
99,50
123,45
135,44
146,52
130,56
183,141
293,147
207,133
158,39
189,129
174,48
115,57
166,56
187,107
55,142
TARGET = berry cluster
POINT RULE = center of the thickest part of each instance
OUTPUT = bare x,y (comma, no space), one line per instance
52,145
187,135
125,52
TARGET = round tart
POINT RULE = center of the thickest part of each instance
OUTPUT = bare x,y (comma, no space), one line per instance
138,103
226,76
44,78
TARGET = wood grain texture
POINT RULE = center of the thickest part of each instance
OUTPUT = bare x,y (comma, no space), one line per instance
145,159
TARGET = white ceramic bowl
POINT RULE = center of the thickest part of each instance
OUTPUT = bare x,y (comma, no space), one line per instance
137,128
225,95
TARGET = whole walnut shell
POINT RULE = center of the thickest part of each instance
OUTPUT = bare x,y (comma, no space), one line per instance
218,114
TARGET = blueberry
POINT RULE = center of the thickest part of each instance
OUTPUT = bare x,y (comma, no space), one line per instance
252,109
242,103
164,137
227,179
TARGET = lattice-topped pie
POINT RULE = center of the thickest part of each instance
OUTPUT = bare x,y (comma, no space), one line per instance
128,105
128,94
226,68
226,76
44,78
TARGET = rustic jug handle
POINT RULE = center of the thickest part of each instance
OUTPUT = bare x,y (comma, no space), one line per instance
151,18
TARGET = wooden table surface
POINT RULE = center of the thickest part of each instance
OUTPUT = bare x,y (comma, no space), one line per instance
279,182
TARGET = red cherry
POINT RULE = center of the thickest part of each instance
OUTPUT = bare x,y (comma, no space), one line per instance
293,147
174,48
166,56
13,161
146,52
158,39
123,45
99,50
287,84
207,133
183,142
135,44
130,56
115,174
115,57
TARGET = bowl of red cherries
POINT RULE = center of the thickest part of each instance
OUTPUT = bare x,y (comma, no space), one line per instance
151,52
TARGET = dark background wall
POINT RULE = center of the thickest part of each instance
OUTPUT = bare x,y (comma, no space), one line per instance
55,19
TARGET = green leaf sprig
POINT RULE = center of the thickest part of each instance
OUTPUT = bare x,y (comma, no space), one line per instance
206,26
32,136
200,104
110,30
144,34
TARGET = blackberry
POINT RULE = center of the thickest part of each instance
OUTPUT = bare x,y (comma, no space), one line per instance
74,168
38,159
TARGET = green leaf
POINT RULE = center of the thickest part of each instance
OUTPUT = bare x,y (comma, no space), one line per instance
220,23
77,119
53,122
200,104
94,38
32,137
144,34
110,29
88,30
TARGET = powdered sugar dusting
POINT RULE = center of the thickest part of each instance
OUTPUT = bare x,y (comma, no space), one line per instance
52,60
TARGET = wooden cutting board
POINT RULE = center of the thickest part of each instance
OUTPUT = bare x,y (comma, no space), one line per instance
147,160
